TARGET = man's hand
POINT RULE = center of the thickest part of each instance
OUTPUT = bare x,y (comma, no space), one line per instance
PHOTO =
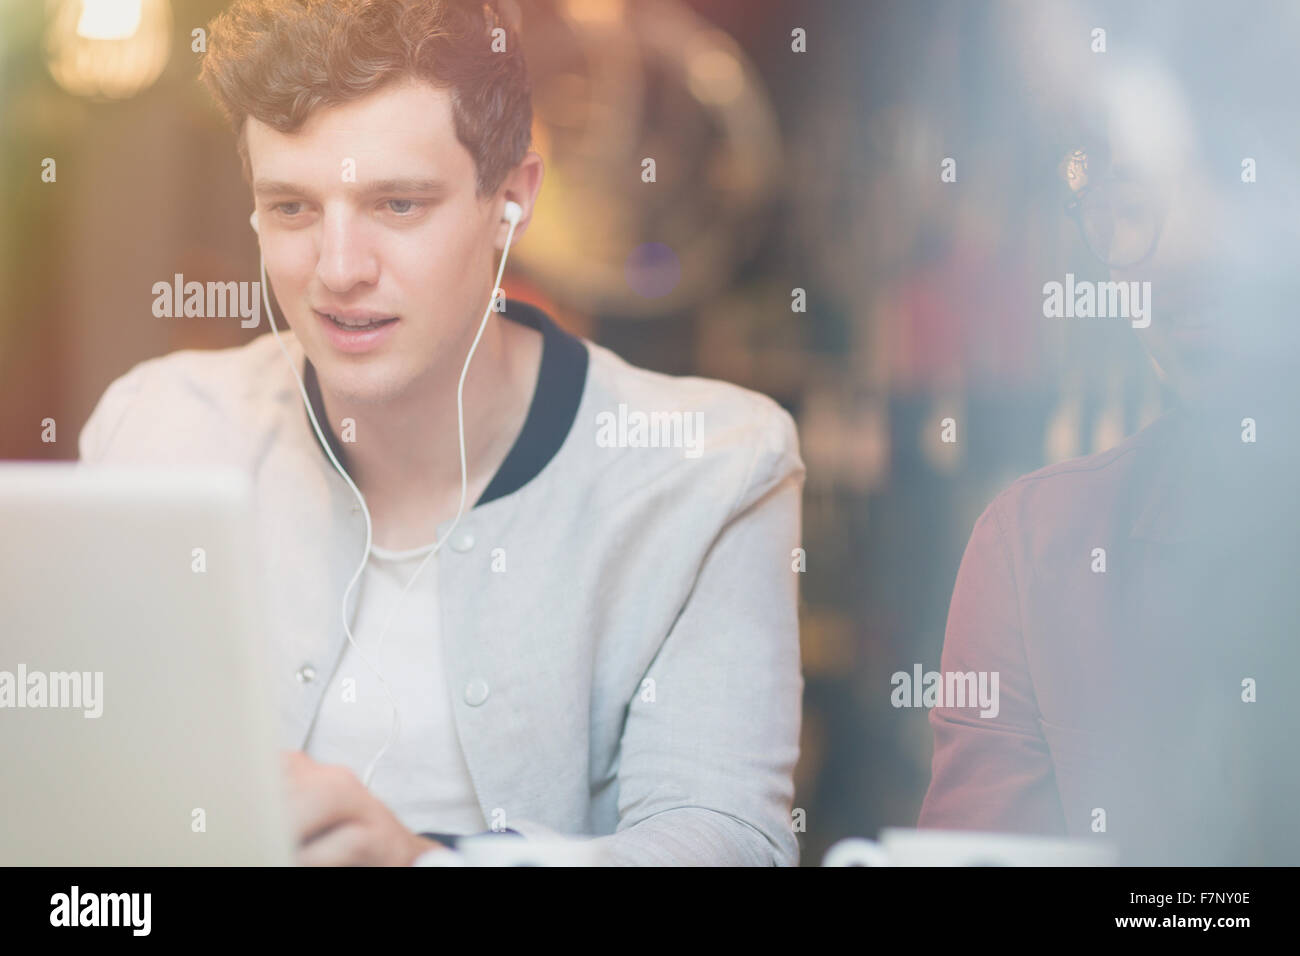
337,822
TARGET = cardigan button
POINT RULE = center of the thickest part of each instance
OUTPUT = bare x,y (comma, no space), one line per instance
306,674
462,542
476,691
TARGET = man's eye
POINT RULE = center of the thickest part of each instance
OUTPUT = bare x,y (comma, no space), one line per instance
288,208
403,207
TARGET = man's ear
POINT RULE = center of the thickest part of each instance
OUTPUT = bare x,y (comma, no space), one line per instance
521,187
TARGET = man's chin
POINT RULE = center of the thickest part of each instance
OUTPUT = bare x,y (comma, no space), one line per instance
369,380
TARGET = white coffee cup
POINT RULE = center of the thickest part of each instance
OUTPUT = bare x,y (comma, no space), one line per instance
902,846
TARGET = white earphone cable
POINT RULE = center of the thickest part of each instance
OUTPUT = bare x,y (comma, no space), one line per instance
513,212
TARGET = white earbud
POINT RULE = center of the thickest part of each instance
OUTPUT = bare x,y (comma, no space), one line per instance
252,220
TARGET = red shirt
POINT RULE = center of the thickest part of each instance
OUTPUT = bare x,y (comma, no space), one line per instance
1121,691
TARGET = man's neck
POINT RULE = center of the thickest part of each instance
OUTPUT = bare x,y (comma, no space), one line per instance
405,458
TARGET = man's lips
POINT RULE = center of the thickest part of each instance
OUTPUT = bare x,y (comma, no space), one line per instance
356,318
356,331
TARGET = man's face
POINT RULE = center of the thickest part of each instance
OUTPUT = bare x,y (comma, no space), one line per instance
1219,326
1186,337
369,212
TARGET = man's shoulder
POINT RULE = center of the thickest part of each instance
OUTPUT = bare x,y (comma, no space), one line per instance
215,370
732,423
185,398
1114,465
1090,491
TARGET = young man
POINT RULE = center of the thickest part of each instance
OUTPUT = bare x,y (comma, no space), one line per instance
607,645
1139,604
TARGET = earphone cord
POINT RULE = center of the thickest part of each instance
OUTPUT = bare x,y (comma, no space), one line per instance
460,423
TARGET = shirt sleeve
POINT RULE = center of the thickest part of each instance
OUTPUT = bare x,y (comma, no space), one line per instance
990,773
706,766
97,434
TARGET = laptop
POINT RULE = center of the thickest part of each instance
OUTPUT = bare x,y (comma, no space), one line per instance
136,723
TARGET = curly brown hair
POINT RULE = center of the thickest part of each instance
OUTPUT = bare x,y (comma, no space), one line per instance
277,60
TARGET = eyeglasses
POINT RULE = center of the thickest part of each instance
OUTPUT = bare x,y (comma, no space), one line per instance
1120,218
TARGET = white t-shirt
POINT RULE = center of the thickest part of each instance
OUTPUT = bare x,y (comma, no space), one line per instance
423,777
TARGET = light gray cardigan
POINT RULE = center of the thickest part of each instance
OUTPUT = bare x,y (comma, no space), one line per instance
632,675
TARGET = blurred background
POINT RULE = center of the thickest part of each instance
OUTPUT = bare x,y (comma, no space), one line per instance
800,240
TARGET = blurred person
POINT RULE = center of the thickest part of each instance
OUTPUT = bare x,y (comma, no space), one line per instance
608,649
1139,606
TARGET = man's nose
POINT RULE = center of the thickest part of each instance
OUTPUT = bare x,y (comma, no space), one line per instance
347,257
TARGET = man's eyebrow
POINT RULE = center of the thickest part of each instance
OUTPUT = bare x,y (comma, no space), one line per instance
272,187
277,188
406,186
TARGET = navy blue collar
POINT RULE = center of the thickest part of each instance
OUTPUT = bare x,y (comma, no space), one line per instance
551,413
